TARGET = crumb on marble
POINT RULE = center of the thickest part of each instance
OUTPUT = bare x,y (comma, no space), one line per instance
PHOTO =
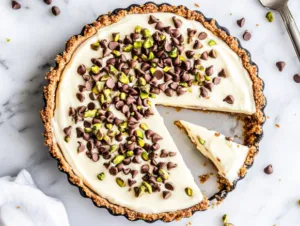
188,224
18,207
196,5
8,39
277,125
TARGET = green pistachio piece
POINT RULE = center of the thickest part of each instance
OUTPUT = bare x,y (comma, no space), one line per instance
141,190
183,84
166,68
139,107
138,44
101,176
162,37
152,70
144,57
87,130
144,126
106,138
182,58
123,78
139,134
152,95
141,142
207,78
111,133
95,90
90,113
201,68
131,78
151,56
123,96
163,173
173,53
159,179
128,48
104,78
146,33
97,127
99,135
67,139
116,53
270,17
113,69
95,69
120,182
95,46
148,187
144,95
118,159
153,65
138,29
129,153
108,126
8,39
225,218
145,156
113,148
123,126
102,98
99,86
201,141
211,42
116,37
189,191
149,102
148,43
135,58
107,92
142,81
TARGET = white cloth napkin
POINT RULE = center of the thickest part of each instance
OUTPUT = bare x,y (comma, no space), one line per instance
23,204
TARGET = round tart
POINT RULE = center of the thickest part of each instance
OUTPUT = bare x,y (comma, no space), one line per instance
101,123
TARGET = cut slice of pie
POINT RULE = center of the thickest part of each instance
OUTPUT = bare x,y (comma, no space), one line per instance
101,119
229,157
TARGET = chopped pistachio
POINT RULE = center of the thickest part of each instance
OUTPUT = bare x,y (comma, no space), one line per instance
139,107
145,156
95,90
113,148
101,176
97,127
138,44
113,69
201,141
135,58
173,53
184,84
67,139
95,69
152,70
141,142
146,33
163,173
123,96
111,133
151,56
141,190
95,46
90,113
211,42
148,187
8,39
144,57
99,135
139,134
131,78
182,58
225,218
128,48
144,126
270,17
108,126
142,81
102,98
123,78
138,29
99,86
129,153
116,53
207,78
189,191
153,64
116,37
166,68
104,78
123,126
148,43
87,130
159,179
118,159
162,37
144,95
152,95
120,182
106,138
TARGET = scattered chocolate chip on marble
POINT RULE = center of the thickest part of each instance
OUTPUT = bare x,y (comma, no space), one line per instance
269,169
297,78
280,65
55,10
241,22
15,5
247,36
48,2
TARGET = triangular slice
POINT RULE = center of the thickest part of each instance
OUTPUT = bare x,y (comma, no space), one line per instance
227,156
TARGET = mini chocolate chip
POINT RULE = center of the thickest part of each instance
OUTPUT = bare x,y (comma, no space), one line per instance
68,130
171,154
203,92
55,10
113,171
197,45
81,69
229,99
169,92
126,171
161,165
209,86
136,159
280,65
180,91
169,186
134,173
15,5
241,22
189,54
145,168
204,55
166,194
131,182
48,2
171,165
175,33
152,19
155,146
247,36
80,97
202,35
81,147
95,157
158,74
216,80
222,74
159,26
113,45
269,169
126,161
191,32
213,54
91,106
177,22
106,164
90,145
209,70
297,78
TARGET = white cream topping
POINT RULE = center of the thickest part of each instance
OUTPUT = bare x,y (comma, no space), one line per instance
228,156
238,84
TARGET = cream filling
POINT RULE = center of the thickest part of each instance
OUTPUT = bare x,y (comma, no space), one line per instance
237,84
228,156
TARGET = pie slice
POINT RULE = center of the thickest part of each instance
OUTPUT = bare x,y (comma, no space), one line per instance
229,157
101,119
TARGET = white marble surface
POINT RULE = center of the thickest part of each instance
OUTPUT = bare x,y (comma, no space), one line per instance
37,36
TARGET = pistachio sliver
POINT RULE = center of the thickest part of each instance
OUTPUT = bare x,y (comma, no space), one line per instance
128,48
123,78
148,187
189,191
118,159
145,156
138,29
95,46
270,17
211,42
120,182
101,176
141,142
113,148
163,173
90,113
148,43
201,141
144,126
138,44
95,69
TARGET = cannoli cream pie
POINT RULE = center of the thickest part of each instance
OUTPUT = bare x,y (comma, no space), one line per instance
101,119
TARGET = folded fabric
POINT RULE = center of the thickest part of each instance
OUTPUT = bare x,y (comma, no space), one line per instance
23,204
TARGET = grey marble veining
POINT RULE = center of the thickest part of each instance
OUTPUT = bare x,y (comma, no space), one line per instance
37,36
